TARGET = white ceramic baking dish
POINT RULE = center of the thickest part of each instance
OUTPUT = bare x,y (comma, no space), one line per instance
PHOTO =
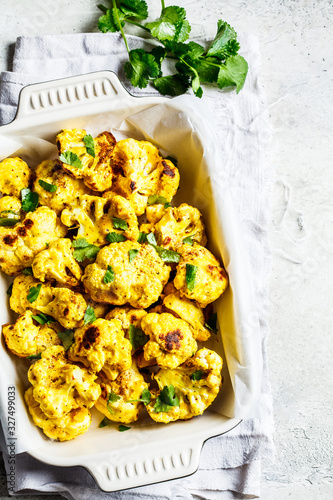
148,452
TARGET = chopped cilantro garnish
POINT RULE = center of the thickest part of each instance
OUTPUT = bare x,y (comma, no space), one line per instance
188,240
137,337
142,237
89,144
71,158
123,428
67,338
34,292
9,218
151,239
27,271
89,315
168,256
51,188
196,375
115,237
191,272
119,223
29,200
43,319
156,199
104,423
109,276
145,398
34,356
84,250
132,254
166,400
112,398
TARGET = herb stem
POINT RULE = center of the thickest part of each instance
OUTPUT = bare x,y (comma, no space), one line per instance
102,8
119,24
163,4
138,25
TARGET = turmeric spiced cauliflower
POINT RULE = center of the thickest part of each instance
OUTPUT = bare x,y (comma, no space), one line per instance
14,176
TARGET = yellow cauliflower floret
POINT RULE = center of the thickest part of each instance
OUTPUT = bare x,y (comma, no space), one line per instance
57,263
59,386
139,282
96,172
67,307
11,204
21,243
170,340
25,339
100,309
139,171
22,285
94,217
118,398
102,346
69,426
210,279
67,187
127,316
189,312
179,223
14,176
197,383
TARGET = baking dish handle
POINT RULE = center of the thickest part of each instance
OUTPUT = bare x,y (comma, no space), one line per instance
98,89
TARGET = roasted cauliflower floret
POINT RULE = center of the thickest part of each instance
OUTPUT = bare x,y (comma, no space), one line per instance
120,399
177,224
96,217
59,386
126,272
22,285
57,263
197,383
69,426
67,307
14,176
189,312
170,340
25,339
96,171
139,171
200,276
127,316
21,243
65,188
102,346
8,205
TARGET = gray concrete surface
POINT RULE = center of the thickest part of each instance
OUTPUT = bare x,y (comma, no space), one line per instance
296,40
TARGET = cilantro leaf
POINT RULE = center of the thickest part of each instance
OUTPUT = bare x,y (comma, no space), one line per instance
71,158
115,237
9,290
84,250
151,239
156,199
134,8
109,275
141,67
89,144
132,254
119,223
142,237
114,19
29,200
51,188
188,240
123,428
172,85
9,218
211,323
112,398
27,271
166,400
191,272
33,293
196,375
108,23
233,73
34,356
225,42
171,25
89,315
168,256
104,423
43,319
67,338
145,398
137,337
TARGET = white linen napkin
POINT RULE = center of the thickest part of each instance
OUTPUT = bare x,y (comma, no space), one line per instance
230,465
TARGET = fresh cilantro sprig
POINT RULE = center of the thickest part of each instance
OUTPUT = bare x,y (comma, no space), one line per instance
84,250
43,319
89,316
145,398
33,293
137,337
195,64
166,400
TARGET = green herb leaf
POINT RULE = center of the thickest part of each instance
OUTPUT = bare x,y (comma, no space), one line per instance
27,271
109,276
112,398
171,25
34,356
123,428
51,188
141,67
132,254
89,316
137,337
156,199
119,223
10,290
89,144
145,398
29,200
151,239
166,400
43,319
168,256
67,338
142,237
108,23
71,158
233,73
196,375
225,42
115,237
104,423
172,85
84,250
33,293
188,240
9,218
134,8
191,272
211,323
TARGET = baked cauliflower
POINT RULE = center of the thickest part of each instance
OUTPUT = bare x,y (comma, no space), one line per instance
21,243
25,339
10,205
170,340
60,386
96,217
91,161
102,346
56,262
121,400
67,307
23,287
62,189
139,172
64,428
126,272
200,276
195,384
14,176
127,316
